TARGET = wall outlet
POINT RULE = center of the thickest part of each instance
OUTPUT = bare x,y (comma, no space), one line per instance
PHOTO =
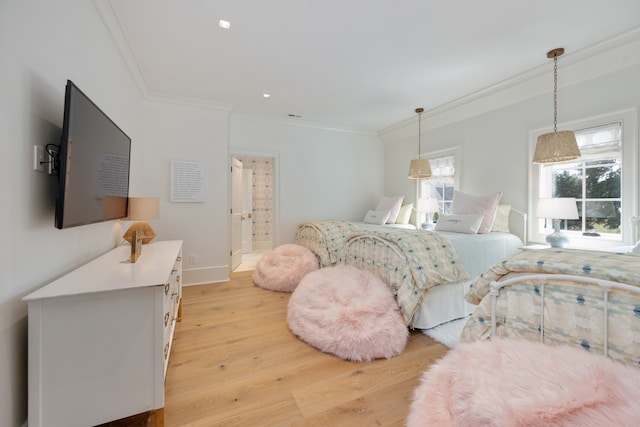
193,259
38,158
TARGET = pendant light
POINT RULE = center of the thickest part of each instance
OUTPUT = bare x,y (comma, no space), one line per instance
419,168
556,146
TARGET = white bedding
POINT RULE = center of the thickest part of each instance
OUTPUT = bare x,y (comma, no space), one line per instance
366,226
479,252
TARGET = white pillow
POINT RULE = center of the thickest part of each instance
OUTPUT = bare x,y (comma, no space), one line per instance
376,217
391,204
501,223
467,224
486,205
404,216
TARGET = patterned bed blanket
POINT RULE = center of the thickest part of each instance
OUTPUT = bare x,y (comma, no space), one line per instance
325,238
573,311
424,260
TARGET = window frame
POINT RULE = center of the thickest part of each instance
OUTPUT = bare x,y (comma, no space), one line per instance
456,153
629,180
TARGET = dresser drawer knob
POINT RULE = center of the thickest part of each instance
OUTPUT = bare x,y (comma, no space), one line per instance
166,351
166,319
166,288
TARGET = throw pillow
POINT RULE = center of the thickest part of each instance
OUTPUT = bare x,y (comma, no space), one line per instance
391,204
501,223
467,224
464,204
404,216
376,217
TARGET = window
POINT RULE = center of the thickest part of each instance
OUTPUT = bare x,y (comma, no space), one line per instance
443,181
596,180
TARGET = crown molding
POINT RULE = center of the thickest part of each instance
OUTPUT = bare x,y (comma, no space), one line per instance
598,60
298,122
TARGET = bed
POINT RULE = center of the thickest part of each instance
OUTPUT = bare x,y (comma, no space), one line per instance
577,309
428,272
326,238
555,341
428,293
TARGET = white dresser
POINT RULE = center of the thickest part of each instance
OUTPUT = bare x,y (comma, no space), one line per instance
100,338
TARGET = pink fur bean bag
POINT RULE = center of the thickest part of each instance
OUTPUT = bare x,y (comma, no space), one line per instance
349,313
525,383
282,268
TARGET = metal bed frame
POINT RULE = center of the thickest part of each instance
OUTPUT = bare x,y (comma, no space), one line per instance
542,279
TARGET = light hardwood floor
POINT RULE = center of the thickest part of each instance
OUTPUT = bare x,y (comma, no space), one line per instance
235,363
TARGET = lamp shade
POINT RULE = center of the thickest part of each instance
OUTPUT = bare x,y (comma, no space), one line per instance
427,205
555,147
419,169
143,208
557,208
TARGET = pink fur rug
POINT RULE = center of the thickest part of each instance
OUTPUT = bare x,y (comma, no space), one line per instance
282,268
349,313
523,383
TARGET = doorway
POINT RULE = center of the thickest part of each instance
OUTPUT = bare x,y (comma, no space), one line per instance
258,208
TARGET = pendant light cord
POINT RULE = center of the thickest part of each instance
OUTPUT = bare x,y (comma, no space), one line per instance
555,93
419,132
419,111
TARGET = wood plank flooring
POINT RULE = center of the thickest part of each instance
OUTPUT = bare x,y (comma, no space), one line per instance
235,363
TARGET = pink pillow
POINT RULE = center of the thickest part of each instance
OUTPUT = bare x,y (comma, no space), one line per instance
391,204
464,204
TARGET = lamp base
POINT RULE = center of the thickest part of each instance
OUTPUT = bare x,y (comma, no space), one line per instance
145,232
557,239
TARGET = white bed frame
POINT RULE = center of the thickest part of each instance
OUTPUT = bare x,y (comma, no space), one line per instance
542,279
518,224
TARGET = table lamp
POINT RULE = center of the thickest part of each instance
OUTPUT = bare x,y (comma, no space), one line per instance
142,209
557,209
428,206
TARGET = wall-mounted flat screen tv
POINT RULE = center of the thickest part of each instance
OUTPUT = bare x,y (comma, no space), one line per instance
93,159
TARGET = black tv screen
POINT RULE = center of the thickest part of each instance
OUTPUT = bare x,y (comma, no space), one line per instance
94,156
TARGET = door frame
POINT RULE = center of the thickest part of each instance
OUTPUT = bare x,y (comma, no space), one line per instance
275,155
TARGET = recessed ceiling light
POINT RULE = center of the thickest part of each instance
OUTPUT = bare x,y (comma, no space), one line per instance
224,24
266,95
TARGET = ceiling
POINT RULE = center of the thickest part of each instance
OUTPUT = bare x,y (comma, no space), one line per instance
350,64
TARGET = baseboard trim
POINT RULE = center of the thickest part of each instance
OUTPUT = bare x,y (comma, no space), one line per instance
201,276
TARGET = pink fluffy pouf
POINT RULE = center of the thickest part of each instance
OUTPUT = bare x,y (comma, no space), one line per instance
349,313
282,268
524,383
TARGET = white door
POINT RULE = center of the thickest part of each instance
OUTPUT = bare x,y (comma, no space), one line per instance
247,209
236,213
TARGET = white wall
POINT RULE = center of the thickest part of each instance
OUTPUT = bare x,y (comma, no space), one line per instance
177,132
320,173
42,44
493,133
